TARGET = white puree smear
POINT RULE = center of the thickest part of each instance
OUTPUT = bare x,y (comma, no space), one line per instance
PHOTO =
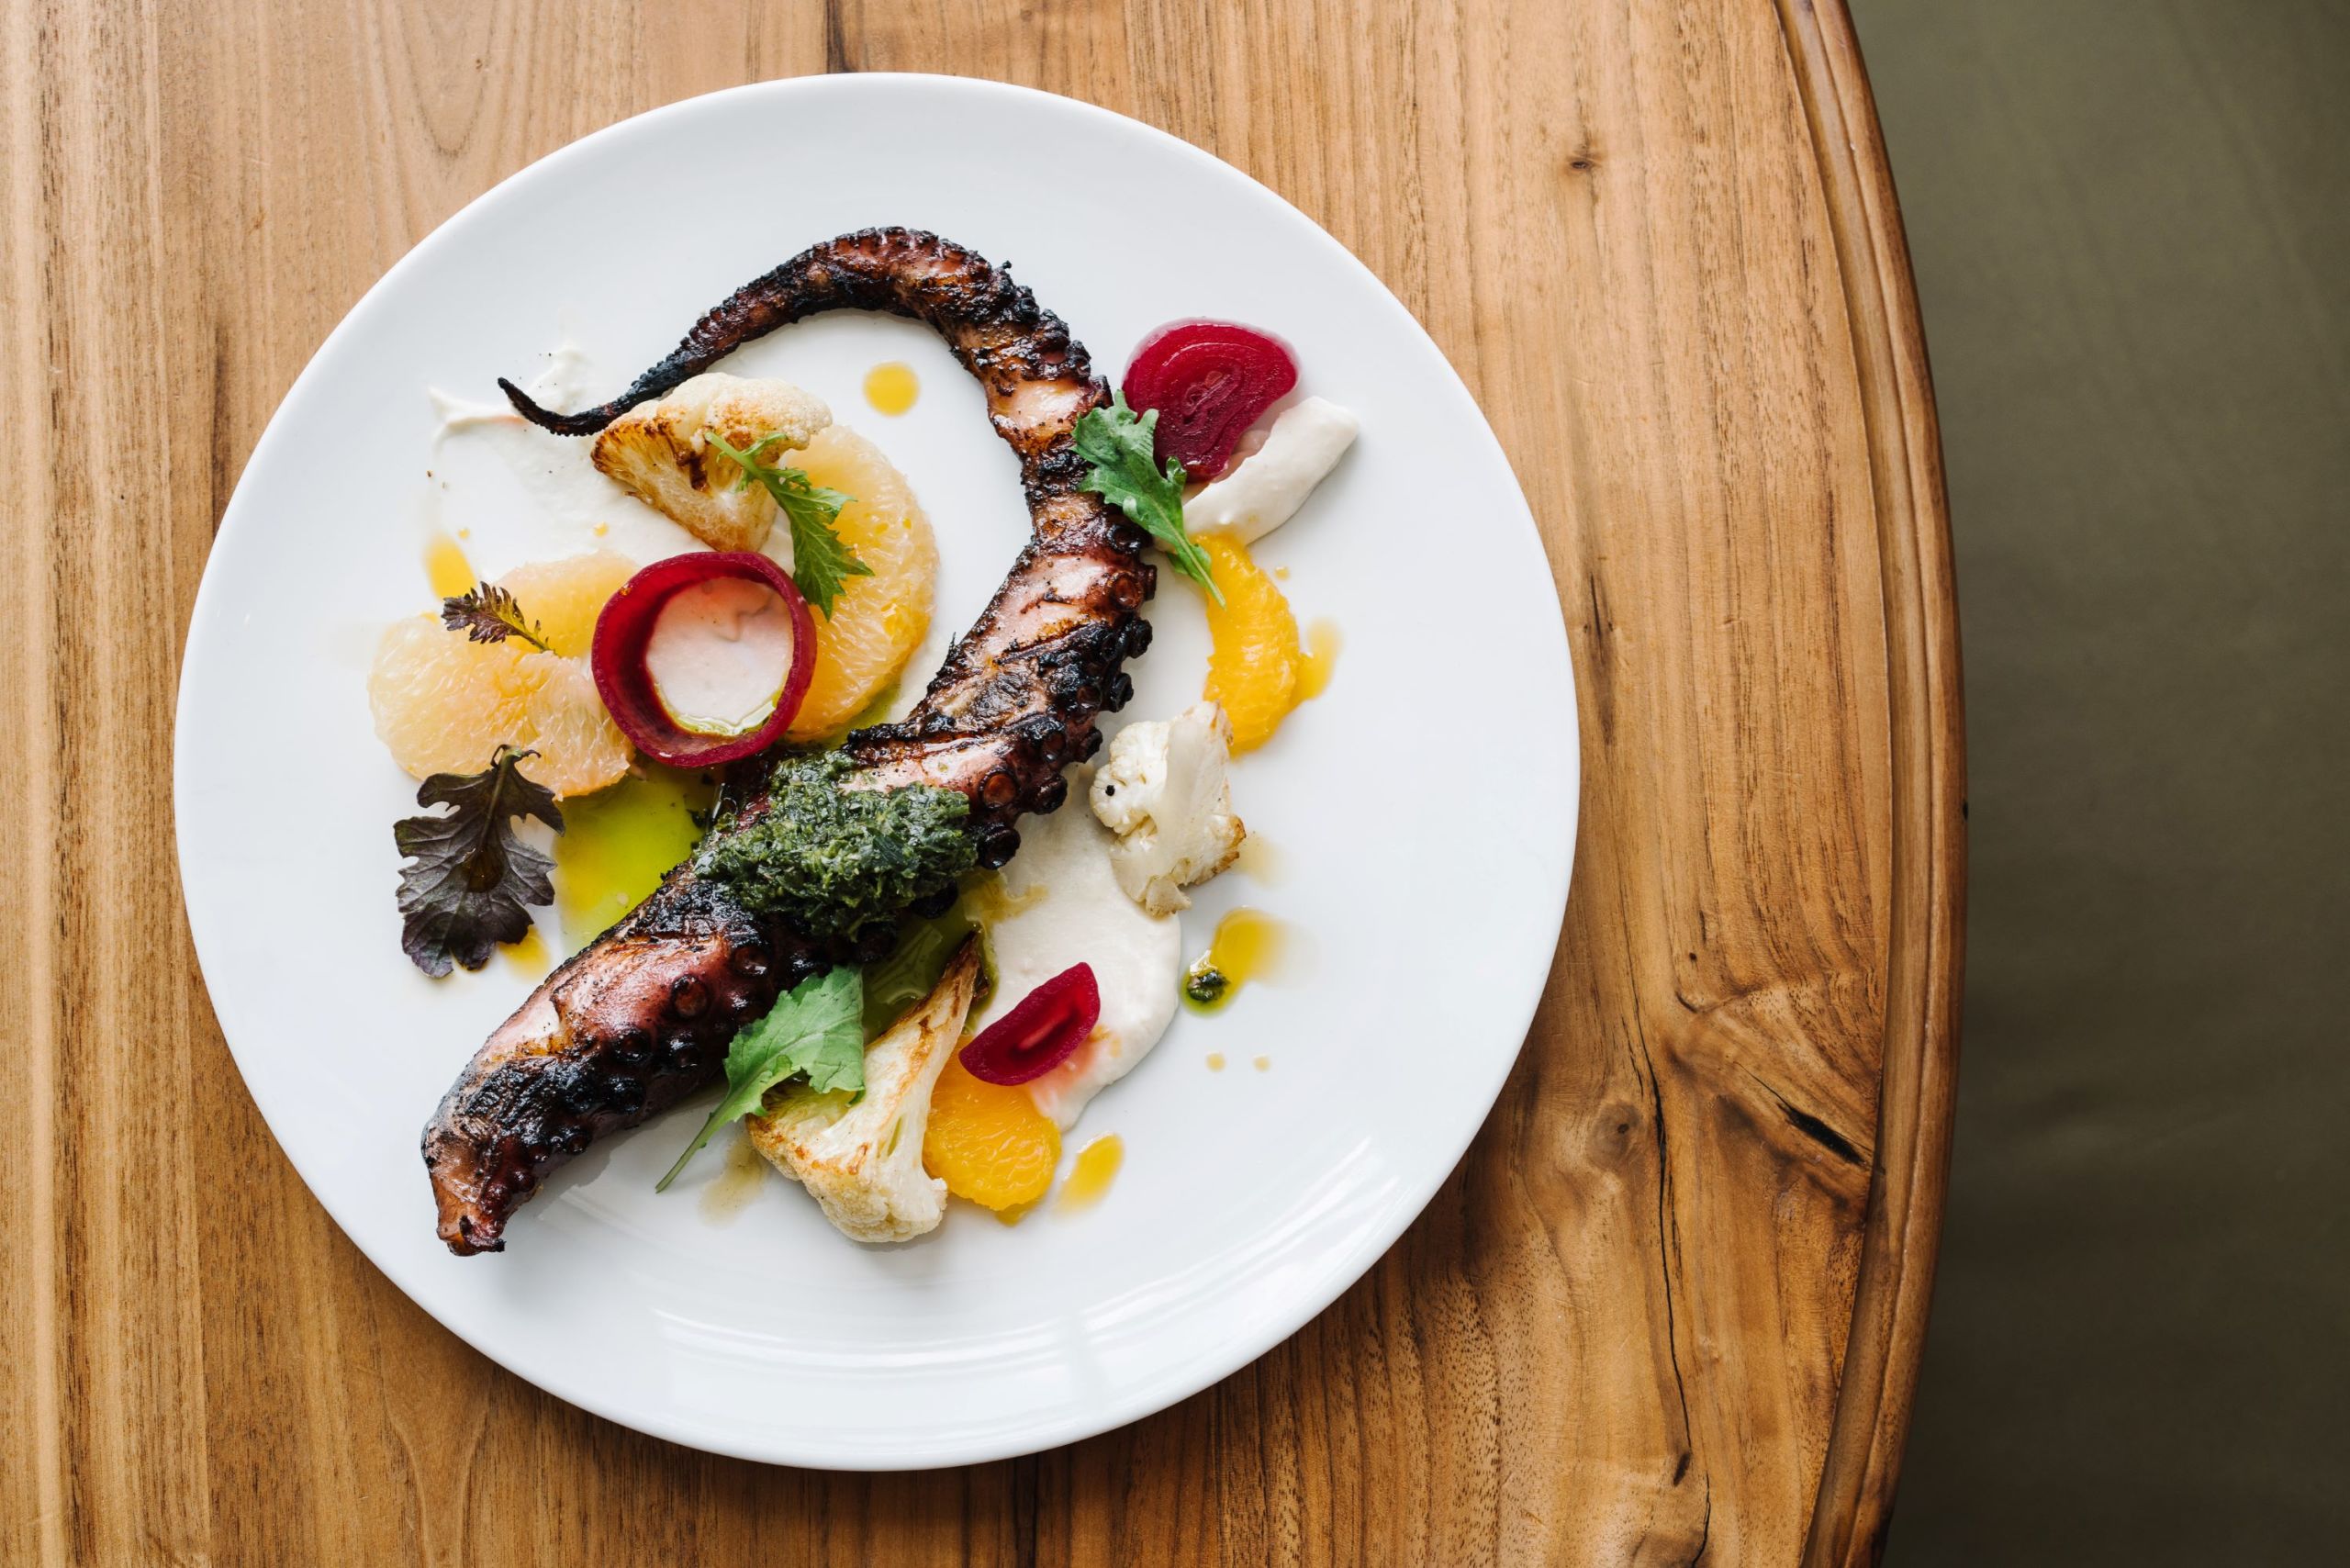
1268,485
556,474
718,654
1081,915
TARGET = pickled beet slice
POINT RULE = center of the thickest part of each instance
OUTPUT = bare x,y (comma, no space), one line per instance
625,627
1209,381
1037,1036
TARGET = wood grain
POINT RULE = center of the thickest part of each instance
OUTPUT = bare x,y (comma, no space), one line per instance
1668,1309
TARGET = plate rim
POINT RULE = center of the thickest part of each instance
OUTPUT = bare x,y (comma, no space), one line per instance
1138,1400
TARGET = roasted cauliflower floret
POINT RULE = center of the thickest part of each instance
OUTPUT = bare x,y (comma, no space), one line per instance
1162,790
659,451
861,1157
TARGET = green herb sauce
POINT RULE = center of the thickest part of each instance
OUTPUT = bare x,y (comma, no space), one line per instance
833,862
1207,988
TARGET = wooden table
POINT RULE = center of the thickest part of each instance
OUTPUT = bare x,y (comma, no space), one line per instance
1669,1307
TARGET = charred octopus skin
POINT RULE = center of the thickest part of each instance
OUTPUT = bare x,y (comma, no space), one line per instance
632,1024
641,1017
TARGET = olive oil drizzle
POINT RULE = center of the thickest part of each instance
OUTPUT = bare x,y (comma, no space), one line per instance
1249,945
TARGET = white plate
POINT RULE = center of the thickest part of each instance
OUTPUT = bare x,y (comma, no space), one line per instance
1424,808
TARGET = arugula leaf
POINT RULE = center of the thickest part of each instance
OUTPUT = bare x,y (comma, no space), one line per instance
468,876
817,1028
487,613
1119,444
820,563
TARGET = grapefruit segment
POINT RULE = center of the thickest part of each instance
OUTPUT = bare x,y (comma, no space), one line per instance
877,621
443,703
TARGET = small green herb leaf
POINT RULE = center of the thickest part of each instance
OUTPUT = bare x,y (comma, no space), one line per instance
1118,443
487,613
818,1028
469,879
820,563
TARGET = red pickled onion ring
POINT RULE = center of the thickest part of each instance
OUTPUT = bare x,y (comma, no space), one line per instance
624,629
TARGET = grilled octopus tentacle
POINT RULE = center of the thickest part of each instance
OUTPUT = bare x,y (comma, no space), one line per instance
640,1018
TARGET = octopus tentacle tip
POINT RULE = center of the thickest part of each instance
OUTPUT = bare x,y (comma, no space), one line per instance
546,419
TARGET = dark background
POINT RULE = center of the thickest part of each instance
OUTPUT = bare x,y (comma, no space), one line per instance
2130,222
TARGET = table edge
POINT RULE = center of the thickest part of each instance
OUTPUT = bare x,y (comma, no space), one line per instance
1925,925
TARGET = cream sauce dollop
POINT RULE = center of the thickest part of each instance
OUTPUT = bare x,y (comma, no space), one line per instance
1268,485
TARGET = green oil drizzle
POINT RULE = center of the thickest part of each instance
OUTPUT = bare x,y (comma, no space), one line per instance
618,844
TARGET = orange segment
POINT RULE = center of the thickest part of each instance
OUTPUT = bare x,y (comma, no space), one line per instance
1254,665
565,596
987,1141
878,621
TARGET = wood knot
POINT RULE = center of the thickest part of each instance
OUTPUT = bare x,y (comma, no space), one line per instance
1617,1132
